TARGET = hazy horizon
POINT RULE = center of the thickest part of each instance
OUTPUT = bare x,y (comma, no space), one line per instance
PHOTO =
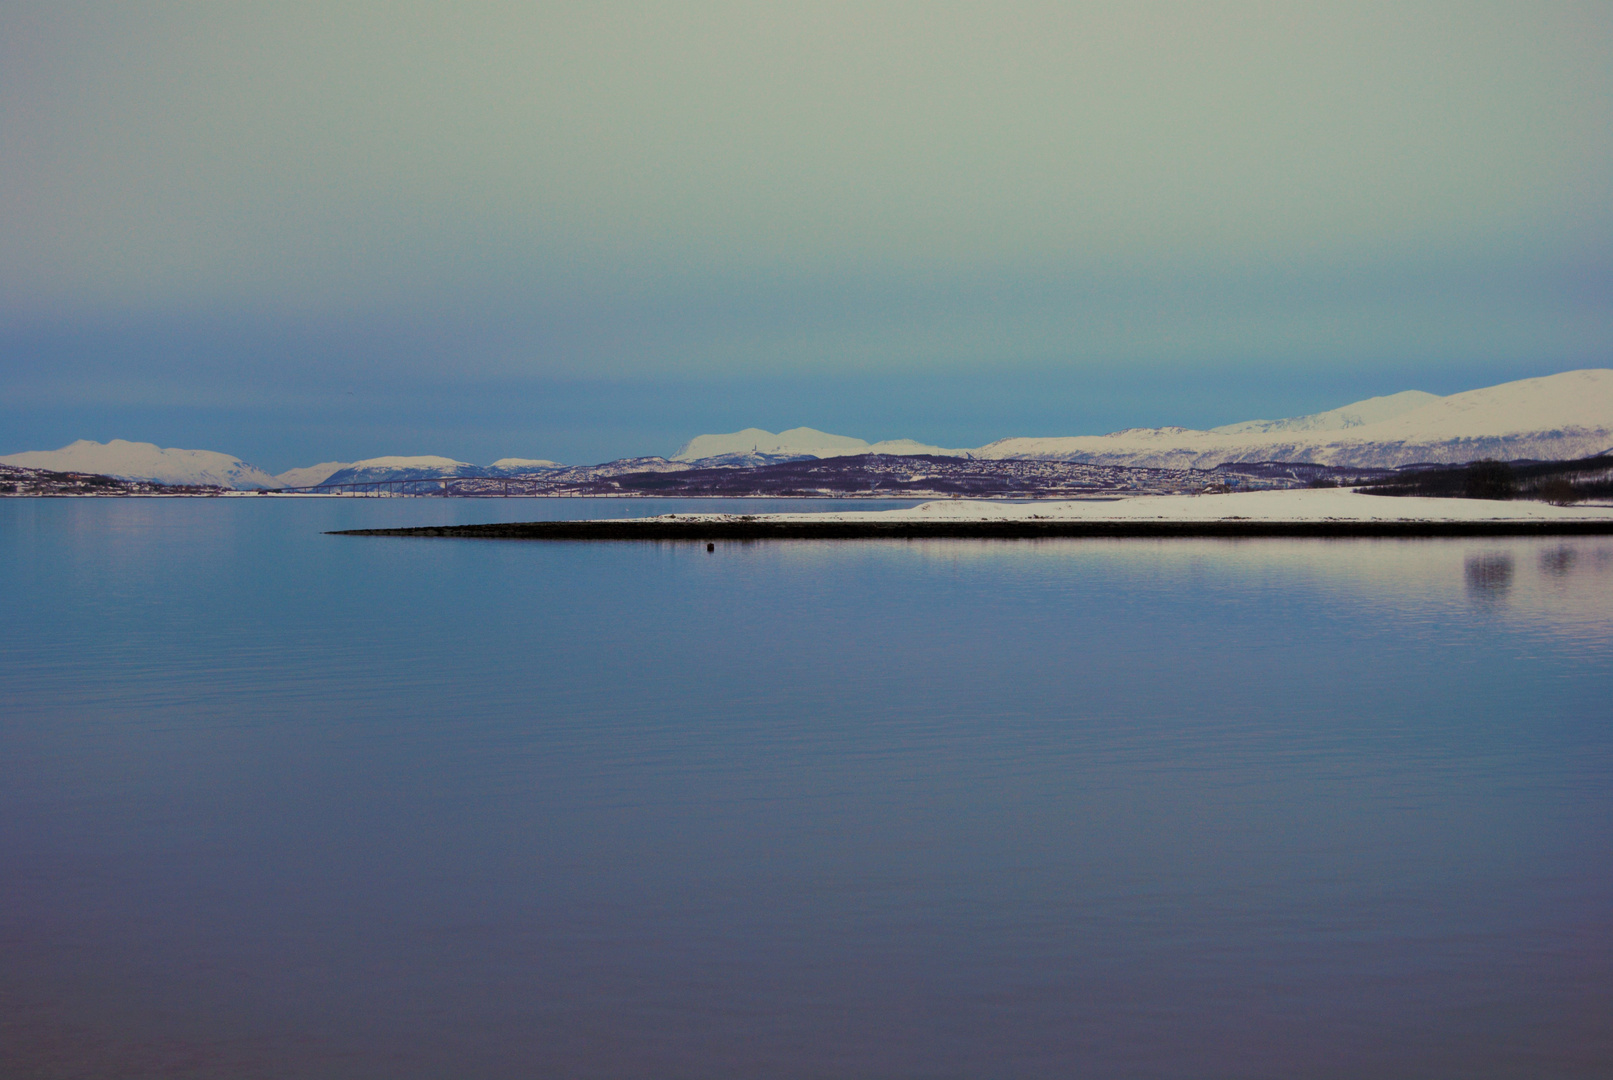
313,232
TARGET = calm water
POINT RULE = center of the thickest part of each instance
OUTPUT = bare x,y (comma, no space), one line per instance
279,804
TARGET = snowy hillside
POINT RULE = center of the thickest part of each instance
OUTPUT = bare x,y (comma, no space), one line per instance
147,461
1557,416
421,467
407,468
797,442
1370,411
1326,505
310,475
517,464
1553,417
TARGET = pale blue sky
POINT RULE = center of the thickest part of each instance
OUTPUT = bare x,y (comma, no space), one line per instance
297,232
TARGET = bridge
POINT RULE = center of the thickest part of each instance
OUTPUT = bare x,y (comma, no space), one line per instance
433,486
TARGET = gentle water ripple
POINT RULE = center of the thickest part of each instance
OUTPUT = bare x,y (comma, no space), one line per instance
274,803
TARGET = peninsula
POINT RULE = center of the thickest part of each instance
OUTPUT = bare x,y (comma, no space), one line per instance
1314,512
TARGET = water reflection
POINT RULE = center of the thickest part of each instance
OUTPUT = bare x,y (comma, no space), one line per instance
1546,586
281,804
1489,574
1558,561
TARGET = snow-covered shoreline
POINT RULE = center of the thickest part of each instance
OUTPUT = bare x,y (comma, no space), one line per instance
1309,505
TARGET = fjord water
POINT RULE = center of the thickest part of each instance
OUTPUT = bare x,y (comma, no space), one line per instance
276,803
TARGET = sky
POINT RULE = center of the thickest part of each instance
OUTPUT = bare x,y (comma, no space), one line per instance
304,232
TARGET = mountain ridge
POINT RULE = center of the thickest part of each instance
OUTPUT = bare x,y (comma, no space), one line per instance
1551,417
798,442
1554,417
127,460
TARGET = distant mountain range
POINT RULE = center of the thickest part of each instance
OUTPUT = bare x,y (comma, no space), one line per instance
1551,418
801,442
1555,417
407,468
146,461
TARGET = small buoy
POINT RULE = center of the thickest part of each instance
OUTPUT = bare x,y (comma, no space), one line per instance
711,547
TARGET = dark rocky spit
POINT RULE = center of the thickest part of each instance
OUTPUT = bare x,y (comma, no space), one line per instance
741,528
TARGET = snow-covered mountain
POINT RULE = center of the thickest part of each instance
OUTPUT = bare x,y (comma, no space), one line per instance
1359,414
518,465
407,468
421,467
147,461
309,475
801,442
1557,416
